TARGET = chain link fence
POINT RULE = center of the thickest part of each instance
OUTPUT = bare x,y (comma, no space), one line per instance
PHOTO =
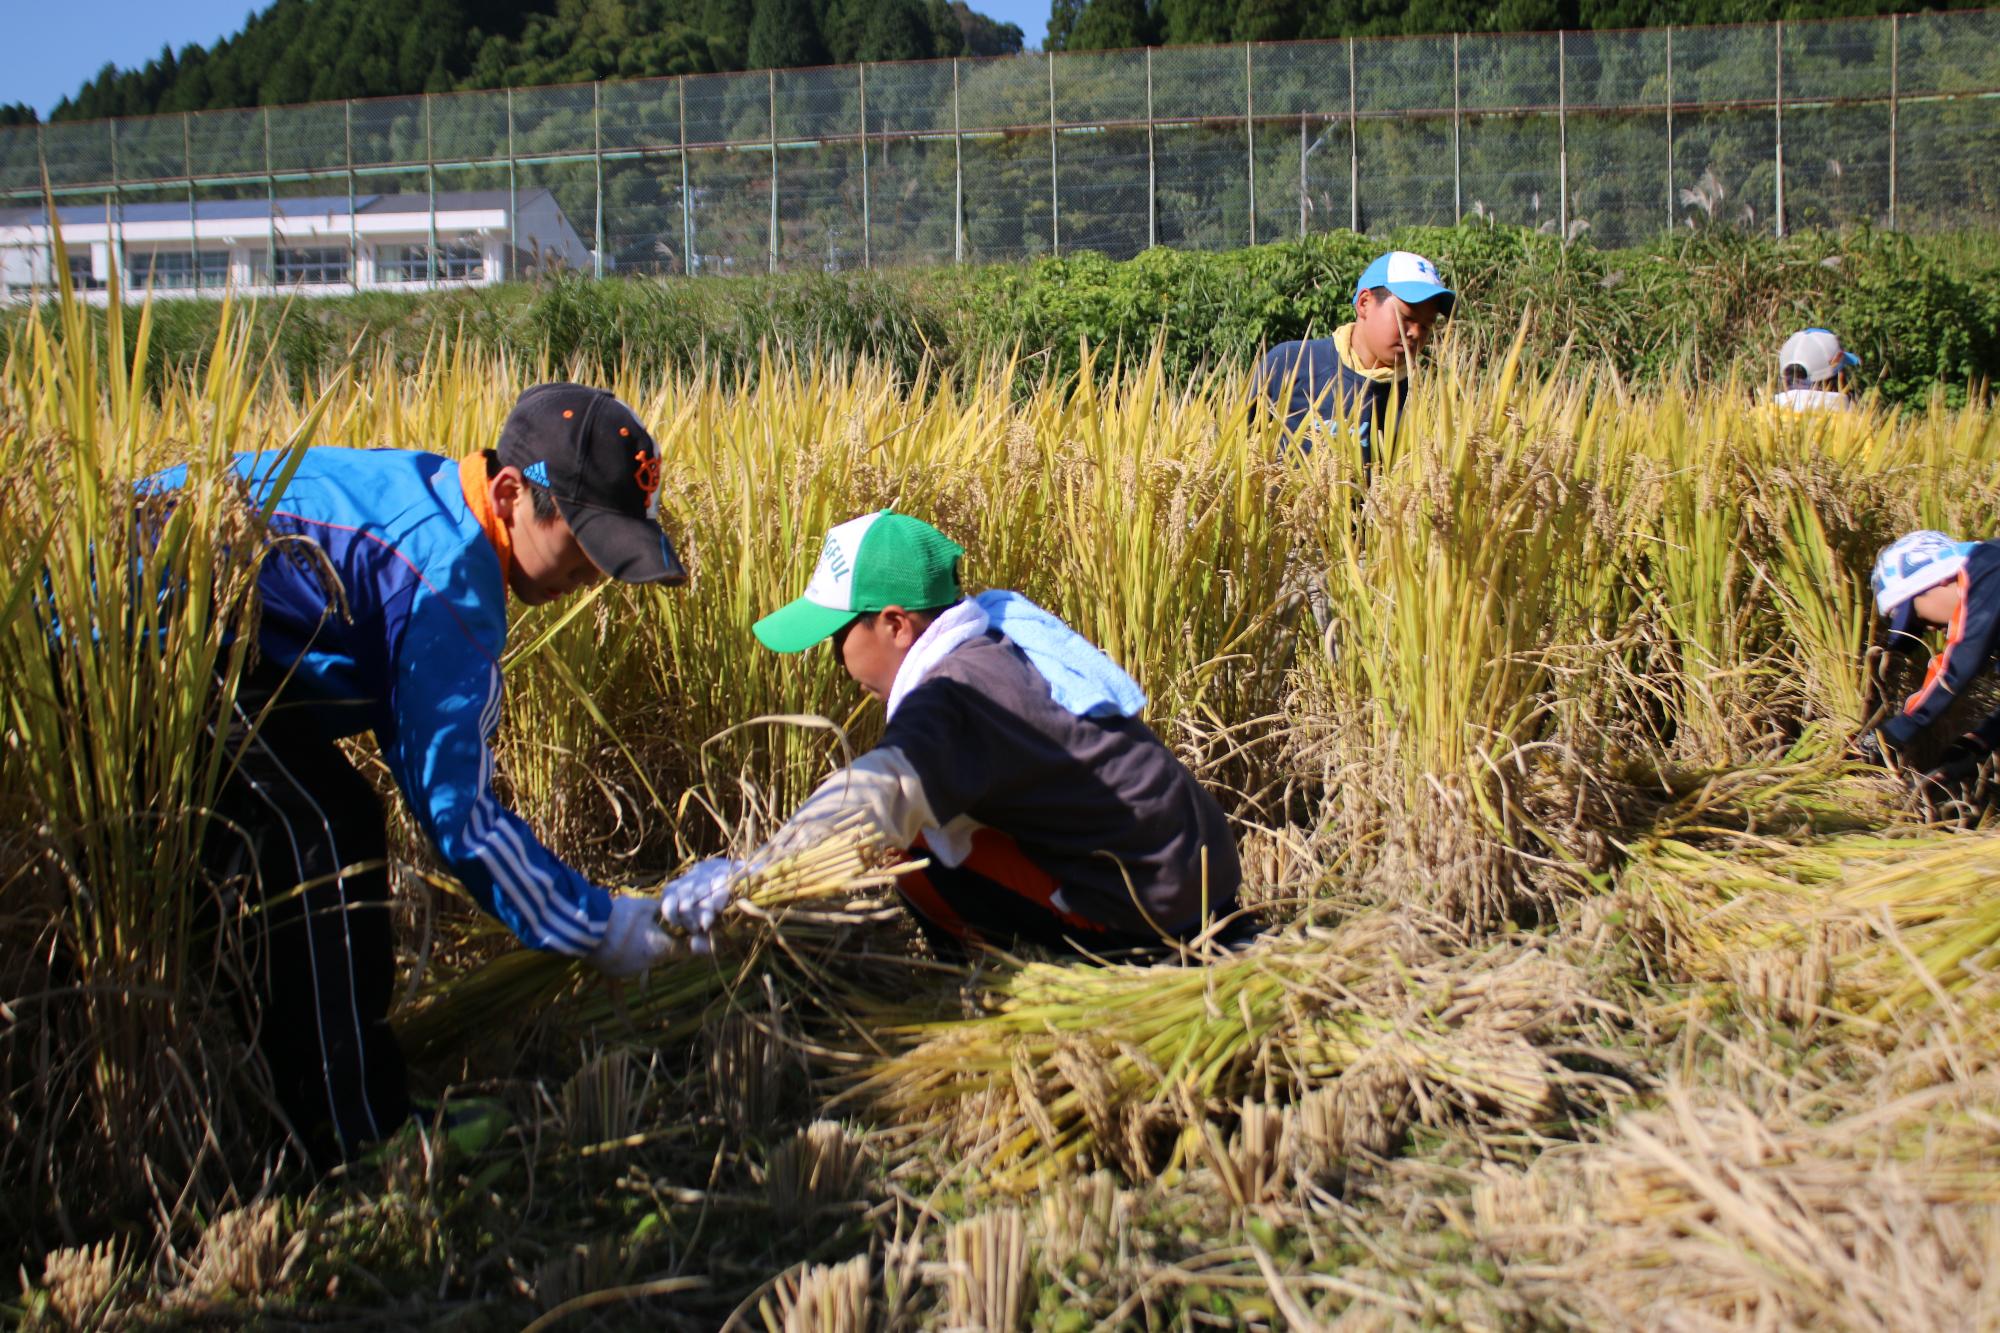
1614,135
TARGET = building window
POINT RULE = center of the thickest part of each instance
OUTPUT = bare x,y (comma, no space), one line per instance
457,261
175,269
314,268
81,278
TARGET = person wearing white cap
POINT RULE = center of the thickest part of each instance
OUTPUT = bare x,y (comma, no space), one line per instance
1815,371
1356,377
1926,579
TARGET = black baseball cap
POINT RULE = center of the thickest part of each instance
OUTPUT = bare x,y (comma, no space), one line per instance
603,468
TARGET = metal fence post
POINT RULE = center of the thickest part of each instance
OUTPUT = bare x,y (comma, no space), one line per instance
1457,158
771,264
1895,89
597,157
688,262
1250,140
1562,135
431,186
867,250
1670,129
194,224
511,268
1353,149
353,224
270,200
1302,175
957,173
1152,175
1055,192
117,255
1778,127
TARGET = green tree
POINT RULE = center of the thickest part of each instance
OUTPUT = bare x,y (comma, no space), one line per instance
727,23
784,34
1192,22
1062,22
1110,25
980,36
896,30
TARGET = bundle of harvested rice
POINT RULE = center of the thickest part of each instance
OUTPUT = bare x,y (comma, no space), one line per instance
1081,1064
1866,925
1703,1215
785,913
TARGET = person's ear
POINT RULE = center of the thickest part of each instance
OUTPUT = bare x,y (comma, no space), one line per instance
902,626
508,490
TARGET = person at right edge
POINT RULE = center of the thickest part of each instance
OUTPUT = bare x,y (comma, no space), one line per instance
1926,579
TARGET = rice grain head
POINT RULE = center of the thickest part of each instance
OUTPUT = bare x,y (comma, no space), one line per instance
81,1282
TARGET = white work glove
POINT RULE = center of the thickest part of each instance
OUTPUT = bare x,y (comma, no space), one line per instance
694,900
633,940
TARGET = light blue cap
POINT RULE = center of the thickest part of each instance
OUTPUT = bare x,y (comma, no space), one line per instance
1408,276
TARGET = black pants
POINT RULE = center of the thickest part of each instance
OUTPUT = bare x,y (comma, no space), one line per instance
319,960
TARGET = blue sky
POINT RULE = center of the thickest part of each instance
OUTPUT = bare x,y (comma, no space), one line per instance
49,50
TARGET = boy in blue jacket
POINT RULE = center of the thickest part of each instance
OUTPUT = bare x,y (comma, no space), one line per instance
384,610
1360,372
1925,578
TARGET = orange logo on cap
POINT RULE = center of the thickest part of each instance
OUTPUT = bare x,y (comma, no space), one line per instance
647,474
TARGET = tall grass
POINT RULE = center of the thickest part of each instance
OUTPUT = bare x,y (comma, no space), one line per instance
123,638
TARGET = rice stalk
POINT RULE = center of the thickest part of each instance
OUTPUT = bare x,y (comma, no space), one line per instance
986,1271
1444,603
1703,1211
823,1298
129,621
821,1164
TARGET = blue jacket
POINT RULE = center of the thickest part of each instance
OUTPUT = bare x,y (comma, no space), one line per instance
1326,387
1972,643
411,651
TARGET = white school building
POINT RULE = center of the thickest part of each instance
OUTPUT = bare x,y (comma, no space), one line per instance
323,245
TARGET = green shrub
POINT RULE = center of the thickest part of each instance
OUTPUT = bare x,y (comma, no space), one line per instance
1923,314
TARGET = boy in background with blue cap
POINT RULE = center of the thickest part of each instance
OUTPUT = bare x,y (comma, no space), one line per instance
1925,579
1358,374
1014,760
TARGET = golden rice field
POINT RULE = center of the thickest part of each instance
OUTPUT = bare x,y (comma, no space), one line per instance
1599,990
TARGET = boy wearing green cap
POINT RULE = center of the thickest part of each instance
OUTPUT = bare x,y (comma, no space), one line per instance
1014,761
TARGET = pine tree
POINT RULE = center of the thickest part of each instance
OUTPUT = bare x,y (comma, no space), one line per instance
784,34
1111,25
1062,22
896,30
727,23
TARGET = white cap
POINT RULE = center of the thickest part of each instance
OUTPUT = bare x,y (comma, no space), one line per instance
1914,563
1818,353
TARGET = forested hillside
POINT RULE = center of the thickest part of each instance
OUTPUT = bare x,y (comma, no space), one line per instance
1095,25
318,50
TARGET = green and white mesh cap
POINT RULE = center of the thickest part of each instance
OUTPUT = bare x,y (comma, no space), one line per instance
865,564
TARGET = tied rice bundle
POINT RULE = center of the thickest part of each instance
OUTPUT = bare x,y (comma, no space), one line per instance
1074,1066
796,905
